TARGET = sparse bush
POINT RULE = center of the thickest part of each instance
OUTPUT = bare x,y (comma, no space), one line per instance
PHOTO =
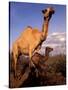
52,72
57,64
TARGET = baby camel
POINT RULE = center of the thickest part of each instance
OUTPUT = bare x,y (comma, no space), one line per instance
31,39
36,58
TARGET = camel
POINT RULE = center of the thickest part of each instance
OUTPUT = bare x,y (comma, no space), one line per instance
36,58
30,40
40,60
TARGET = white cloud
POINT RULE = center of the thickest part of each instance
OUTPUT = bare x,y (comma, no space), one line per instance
57,41
62,39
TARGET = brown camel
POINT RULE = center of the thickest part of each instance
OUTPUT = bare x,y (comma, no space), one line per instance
36,58
31,39
40,60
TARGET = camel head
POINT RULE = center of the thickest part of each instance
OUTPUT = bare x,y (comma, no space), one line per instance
48,49
48,13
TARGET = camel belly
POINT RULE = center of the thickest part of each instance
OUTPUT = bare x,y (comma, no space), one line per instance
25,51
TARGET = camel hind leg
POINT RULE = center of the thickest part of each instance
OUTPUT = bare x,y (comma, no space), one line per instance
15,55
15,62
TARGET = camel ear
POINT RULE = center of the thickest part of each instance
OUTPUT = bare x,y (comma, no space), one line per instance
53,11
43,11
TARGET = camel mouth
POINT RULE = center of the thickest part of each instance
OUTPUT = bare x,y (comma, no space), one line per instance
46,17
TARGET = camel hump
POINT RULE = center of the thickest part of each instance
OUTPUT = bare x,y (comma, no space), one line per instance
27,30
29,27
35,30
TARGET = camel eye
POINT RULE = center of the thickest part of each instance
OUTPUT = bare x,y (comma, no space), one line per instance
45,10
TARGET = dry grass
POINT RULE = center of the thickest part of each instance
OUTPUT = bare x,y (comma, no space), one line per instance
57,64
52,72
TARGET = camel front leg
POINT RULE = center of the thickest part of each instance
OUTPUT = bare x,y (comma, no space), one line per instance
31,64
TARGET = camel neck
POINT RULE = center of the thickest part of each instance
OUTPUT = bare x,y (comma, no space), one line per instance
46,55
45,28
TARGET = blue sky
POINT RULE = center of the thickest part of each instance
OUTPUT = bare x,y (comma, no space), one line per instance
29,14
